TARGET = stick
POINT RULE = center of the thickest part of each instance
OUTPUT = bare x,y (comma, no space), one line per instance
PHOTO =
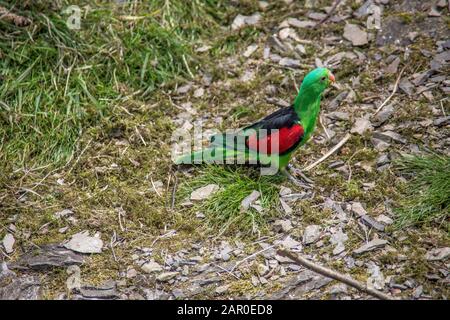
336,3
393,92
333,274
329,153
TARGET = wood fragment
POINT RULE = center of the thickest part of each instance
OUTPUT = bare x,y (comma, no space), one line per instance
333,274
329,153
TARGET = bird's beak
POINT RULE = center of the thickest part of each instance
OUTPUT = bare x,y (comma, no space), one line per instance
331,77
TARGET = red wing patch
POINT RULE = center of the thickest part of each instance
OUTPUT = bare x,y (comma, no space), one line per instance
281,140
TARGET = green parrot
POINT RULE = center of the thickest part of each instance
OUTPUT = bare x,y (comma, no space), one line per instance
272,141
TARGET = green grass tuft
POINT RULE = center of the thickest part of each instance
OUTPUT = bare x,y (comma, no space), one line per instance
223,209
56,82
428,189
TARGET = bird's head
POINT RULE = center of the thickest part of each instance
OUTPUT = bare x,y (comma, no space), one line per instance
317,80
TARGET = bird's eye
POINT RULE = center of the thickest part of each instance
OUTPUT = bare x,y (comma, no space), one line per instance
323,78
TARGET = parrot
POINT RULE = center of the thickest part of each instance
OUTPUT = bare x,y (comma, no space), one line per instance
274,139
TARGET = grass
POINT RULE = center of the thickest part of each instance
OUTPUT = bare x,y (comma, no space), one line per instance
56,82
428,190
223,209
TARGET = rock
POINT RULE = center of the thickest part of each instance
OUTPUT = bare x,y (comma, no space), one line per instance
376,279
384,219
380,145
287,209
204,192
341,116
382,116
389,136
283,225
166,276
241,20
8,243
406,86
355,35
371,245
311,234
338,289
383,159
262,269
393,66
62,213
107,290
83,243
418,292
73,282
289,243
294,22
358,209
250,50
151,266
438,254
284,191
248,201
361,125
48,256
184,89
13,287
222,289
290,63
199,92
336,102
443,121
371,222
338,239
363,10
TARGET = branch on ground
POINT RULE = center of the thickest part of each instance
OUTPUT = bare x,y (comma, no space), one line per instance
333,274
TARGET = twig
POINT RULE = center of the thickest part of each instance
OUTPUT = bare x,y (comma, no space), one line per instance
187,66
174,192
393,92
154,188
329,153
333,274
329,14
324,128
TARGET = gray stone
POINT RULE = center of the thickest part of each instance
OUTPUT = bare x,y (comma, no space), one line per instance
371,222
8,243
438,254
248,201
13,287
48,256
361,126
370,246
241,20
311,234
355,35
166,276
290,63
151,267
358,209
283,225
83,243
204,192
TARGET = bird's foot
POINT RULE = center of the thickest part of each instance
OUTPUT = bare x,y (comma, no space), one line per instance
298,172
296,181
